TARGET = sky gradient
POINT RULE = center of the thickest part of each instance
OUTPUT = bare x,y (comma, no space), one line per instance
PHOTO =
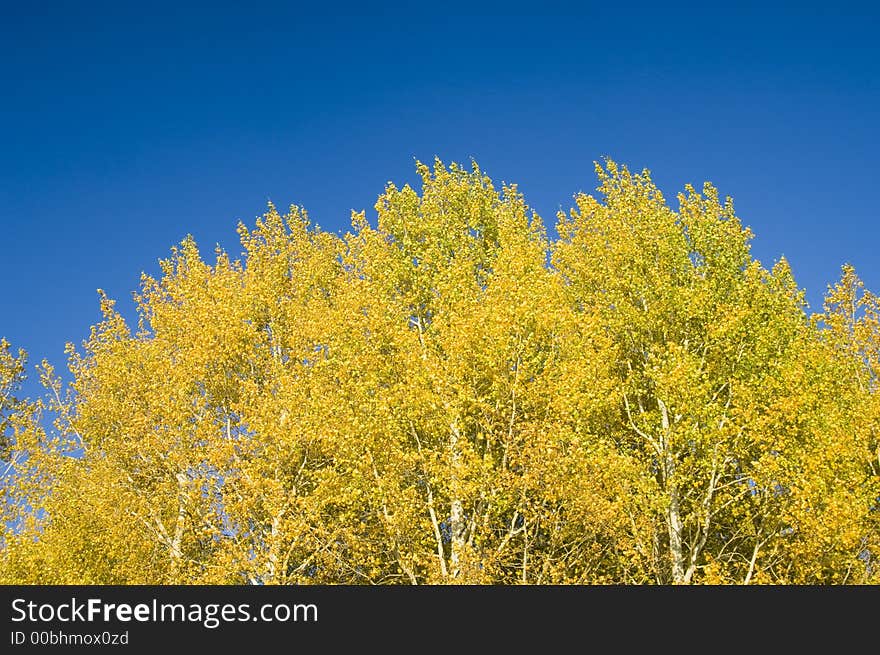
124,128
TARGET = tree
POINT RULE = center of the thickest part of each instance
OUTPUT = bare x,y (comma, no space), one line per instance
449,395
12,367
20,431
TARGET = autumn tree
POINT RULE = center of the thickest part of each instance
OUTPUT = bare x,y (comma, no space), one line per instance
449,395
21,440
12,365
724,389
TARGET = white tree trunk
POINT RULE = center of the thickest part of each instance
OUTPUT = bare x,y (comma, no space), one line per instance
673,513
676,545
457,521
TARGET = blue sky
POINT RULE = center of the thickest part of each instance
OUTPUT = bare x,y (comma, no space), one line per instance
124,127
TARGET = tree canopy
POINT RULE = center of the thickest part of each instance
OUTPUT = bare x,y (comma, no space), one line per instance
451,395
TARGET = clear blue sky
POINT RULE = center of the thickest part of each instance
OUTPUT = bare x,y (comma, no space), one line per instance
125,126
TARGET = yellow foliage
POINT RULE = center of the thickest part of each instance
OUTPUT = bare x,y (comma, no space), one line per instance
449,395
